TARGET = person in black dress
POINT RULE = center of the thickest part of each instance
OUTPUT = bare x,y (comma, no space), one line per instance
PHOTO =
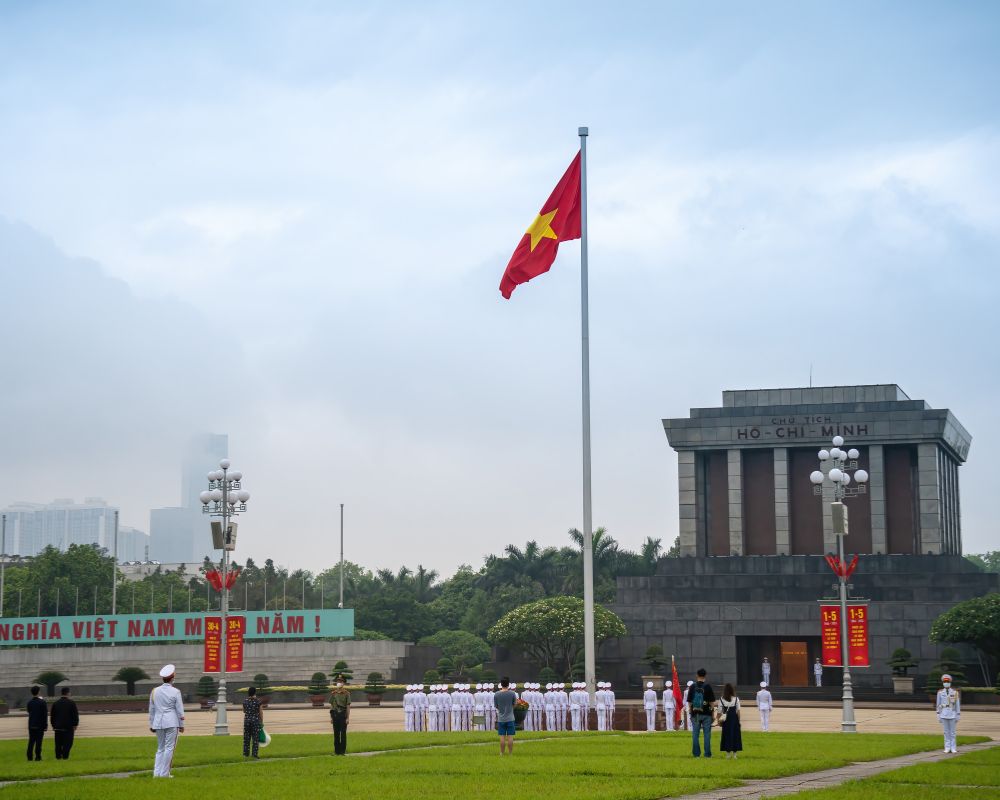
253,721
65,717
729,709
38,723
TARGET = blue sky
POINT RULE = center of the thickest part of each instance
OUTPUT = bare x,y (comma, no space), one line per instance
296,215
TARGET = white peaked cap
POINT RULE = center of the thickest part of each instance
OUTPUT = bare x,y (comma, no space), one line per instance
670,683
690,683
167,671
420,686
479,686
513,684
763,685
649,684
548,686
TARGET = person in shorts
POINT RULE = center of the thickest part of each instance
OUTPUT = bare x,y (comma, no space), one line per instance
503,701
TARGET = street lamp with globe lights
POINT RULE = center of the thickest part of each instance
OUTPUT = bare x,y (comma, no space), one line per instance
837,481
225,497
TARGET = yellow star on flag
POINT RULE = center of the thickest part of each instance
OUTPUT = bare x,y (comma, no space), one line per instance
541,229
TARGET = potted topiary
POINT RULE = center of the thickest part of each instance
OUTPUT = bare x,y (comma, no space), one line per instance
432,676
4,708
318,689
263,684
206,690
901,661
128,676
949,664
656,661
375,688
344,671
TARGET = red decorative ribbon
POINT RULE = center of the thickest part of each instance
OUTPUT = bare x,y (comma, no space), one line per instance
841,568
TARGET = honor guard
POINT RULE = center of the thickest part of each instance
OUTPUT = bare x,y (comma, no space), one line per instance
764,705
408,709
818,673
949,712
686,708
611,705
489,708
649,706
574,708
669,705
765,671
562,706
166,720
601,704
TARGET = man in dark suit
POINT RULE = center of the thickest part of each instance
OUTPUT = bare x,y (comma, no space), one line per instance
65,717
38,723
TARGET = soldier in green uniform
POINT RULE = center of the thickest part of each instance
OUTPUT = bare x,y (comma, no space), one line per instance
340,715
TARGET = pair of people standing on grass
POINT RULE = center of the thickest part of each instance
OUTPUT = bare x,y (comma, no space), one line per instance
702,708
65,718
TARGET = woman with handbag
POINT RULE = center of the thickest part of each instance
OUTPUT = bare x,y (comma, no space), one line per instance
729,718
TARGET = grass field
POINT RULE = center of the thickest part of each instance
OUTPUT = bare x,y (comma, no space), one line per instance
967,777
593,766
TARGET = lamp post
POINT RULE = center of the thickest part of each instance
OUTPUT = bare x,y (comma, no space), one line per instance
836,482
3,555
341,604
224,498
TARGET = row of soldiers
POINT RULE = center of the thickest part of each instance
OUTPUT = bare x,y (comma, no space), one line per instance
456,708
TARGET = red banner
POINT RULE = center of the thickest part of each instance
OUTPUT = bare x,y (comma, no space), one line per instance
234,643
213,644
857,635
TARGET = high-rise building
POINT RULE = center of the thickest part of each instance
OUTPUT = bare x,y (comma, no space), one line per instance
31,527
132,544
180,534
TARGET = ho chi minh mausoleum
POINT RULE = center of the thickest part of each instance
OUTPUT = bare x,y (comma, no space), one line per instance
753,536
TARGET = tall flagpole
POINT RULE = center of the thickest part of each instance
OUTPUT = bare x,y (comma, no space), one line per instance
589,665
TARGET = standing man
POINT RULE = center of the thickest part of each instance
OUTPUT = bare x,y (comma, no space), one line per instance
949,712
503,701
765,670
818,672
649,705
419,707
764,705
685,708
701,703
669,705
38,723
408,709
166,720
340,715
65,717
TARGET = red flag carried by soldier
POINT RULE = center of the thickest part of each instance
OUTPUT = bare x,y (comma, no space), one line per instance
678,696
558,221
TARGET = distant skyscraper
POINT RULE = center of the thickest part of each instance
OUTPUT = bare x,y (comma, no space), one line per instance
180,534
31,527
132,544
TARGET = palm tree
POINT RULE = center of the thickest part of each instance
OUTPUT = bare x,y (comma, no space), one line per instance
651,550
422,580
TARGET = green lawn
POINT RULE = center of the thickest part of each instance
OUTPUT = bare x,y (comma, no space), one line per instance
594,766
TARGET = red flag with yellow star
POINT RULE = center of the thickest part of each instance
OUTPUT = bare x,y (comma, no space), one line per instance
558,221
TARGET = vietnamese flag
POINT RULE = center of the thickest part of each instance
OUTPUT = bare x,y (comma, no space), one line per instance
678,697
558,221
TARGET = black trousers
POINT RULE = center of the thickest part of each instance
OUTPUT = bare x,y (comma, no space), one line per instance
35,743
339,733
64,743
251,737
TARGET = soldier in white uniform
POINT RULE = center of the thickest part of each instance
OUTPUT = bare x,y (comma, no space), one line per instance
765,671
537,707
574,708
443,707
764,705
611,705
166,720
949,712
419,707
649,705
669,706
562,703
584,707
601,707
549,699
818,673
490,709
408,709
686,708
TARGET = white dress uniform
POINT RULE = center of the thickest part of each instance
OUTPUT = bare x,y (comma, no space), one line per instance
408,710
443,708
488,707
584,708
649,706
611,705
669,705
685,708
536,707
575,707
550,707
818,673
601,704
432,707
166,716
562,706
764,705
765,671
949,711
419,707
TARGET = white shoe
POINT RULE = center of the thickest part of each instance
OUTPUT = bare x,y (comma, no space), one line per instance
954,749
947,750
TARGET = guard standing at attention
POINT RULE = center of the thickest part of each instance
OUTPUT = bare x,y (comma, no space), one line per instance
818,672
649,705
765,671
764,704
166,720
949,711
340,715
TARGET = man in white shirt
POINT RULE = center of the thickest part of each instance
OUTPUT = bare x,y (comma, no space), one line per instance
764,705
649,706
166,720
818,673
765,670
669,705
949,711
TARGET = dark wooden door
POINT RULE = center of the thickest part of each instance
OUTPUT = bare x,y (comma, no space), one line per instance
794,664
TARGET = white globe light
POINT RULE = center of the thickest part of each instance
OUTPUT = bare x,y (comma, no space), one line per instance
211,475
816,477
842,456
835,475
838,441
853,454
224,463
205,497
219,475
216,494
845,479
835,452
236,475
861,476
824,455
244,495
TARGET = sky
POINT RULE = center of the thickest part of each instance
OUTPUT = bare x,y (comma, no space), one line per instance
288,221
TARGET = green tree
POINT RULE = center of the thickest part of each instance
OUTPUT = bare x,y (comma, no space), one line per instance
129,675
654,658
263,684
49,679
675,549
547,675
463,648
318,684
375,684
975,622
901,661
445,668
988,562
432,676
344,671
550,631
207,688
949,664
